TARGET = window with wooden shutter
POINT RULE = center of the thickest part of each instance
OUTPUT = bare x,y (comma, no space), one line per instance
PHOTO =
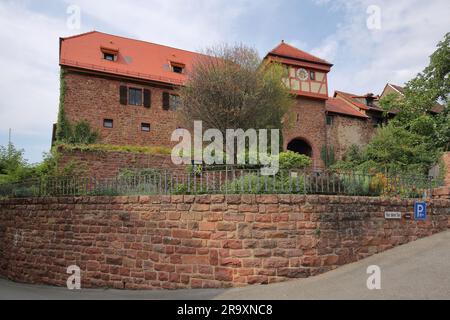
166,100
147,98
123,95
135,96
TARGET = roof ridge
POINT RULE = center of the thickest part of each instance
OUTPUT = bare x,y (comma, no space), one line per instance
301,51
79,35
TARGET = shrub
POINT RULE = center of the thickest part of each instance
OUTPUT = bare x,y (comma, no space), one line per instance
255,184
292,160
82,134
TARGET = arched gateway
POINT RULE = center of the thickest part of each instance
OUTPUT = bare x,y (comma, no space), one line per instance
300,146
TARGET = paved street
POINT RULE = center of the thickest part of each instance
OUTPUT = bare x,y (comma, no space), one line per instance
418,270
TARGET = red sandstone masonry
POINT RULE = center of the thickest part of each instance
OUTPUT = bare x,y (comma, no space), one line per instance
171,242
107,164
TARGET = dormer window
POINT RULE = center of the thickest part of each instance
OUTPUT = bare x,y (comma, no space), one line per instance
109,56
109,52
177,67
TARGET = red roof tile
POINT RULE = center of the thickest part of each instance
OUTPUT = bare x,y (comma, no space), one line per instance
336,105
351,99
288,51
137,59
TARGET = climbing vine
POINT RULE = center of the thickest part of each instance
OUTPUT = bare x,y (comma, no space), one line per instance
80,132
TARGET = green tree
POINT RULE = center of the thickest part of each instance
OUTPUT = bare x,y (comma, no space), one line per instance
230,88
427,93
13,166
397,149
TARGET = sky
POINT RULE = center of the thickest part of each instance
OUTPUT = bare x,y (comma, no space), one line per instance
370,43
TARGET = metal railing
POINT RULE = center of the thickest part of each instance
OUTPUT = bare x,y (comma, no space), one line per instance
227,181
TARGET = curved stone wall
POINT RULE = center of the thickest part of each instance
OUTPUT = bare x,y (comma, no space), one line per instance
199,241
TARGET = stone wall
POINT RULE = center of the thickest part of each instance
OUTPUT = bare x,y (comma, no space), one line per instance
107,164
93,98
347,131
199,241
307,122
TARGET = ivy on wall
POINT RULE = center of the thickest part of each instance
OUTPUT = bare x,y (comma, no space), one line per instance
327,155
78,133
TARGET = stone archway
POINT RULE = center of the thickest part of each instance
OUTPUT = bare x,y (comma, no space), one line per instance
300,146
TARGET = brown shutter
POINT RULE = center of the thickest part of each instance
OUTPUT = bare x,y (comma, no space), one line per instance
123,95
147,98
166,100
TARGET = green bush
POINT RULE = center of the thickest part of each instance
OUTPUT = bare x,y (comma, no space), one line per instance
292,160
256,184
356,184
82,134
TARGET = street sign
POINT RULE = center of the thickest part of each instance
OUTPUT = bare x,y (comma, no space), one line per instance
420,211
392,215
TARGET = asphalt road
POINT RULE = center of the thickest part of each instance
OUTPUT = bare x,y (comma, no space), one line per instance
418,270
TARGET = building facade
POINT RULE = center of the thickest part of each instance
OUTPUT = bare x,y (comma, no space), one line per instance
127,91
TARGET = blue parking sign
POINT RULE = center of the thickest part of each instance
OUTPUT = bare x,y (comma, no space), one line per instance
420,211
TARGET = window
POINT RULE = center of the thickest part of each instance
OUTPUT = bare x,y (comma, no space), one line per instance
175,102
145,127
135,96
171,101
298,117
109,56
177,67
108,123
312,75
329,120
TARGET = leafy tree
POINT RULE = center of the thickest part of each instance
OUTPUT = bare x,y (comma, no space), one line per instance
397,149
13,166
230,88
393,149
422,95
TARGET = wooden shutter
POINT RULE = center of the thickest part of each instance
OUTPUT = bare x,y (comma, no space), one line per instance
123,95
166,100
147,98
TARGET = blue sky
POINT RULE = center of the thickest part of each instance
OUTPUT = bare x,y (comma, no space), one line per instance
364,59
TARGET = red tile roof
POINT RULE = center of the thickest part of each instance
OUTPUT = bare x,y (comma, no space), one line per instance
351,99
288,51
336,105
137,59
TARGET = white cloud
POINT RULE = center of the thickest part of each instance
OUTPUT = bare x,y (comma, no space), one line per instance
29,64
29,55
327,50
366,59
191,25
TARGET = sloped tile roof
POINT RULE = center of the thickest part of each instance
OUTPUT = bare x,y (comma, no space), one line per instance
138,59
336,105
288,51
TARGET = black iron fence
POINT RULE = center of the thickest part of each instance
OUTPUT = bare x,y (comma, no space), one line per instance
228,181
